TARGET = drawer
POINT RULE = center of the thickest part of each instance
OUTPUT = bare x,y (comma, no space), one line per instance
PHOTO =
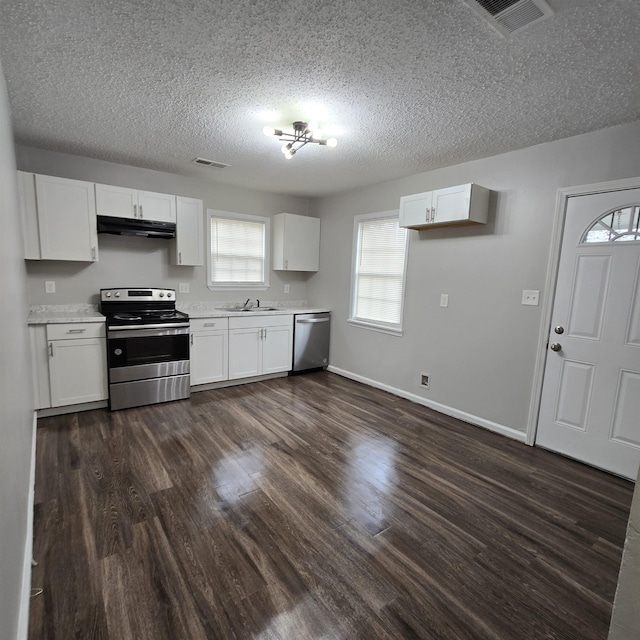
208,324
74,330
253,320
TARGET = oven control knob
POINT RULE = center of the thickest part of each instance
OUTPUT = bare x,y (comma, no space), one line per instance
107,294
118,352
168,294
117,294
162,294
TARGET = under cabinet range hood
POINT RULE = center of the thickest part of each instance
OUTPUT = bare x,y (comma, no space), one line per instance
136,227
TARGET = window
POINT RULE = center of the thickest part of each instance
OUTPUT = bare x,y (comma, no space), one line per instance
238,254
621,225
379,265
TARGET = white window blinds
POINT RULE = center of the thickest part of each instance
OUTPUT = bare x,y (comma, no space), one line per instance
238,249
379,271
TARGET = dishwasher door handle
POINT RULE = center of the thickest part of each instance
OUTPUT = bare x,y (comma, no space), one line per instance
313,321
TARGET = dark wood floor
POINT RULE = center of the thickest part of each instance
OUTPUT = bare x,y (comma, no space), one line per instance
315,507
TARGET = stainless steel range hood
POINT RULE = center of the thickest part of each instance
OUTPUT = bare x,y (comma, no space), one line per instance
136,227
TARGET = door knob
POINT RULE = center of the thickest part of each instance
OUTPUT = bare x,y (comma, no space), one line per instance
559,329
555,346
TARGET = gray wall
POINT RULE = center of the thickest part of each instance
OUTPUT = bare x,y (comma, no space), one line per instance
625,619
128,261
480,351
16,406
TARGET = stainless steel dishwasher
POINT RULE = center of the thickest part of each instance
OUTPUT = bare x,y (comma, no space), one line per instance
311,341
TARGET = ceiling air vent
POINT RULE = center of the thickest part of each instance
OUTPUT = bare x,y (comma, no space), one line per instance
210,163
511,16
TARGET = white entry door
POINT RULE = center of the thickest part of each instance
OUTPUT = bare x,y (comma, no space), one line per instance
590,406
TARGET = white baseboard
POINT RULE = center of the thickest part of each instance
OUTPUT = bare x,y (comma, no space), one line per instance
436,406
23,618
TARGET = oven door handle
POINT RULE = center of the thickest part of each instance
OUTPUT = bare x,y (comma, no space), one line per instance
148,331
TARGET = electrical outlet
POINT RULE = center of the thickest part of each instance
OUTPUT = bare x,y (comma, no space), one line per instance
49,286
444,299
531,297
286,288
183,287
424,380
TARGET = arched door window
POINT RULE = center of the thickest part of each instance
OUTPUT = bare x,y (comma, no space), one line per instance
620,225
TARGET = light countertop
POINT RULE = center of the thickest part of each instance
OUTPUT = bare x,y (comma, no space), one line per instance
55,314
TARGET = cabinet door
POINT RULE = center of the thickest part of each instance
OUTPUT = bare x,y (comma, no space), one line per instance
415,210
66,219
245,353
189,242
277,349
77,371
157,206
451,204
296,242
209,356
116,202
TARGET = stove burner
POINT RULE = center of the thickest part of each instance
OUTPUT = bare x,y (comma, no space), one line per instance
126,316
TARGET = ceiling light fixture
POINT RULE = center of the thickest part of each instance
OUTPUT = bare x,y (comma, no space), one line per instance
302,134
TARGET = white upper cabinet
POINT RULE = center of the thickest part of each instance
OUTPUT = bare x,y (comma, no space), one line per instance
464,204
121,202
59,218
188,247
296,242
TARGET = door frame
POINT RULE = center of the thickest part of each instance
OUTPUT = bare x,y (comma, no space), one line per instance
562,198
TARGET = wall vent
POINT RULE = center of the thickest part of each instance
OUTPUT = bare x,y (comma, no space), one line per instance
511,16
210,163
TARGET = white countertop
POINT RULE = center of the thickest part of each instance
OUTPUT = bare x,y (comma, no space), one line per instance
226,313
54,314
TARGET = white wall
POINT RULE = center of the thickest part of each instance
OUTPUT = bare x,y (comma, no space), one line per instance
16,406
480,351
129,261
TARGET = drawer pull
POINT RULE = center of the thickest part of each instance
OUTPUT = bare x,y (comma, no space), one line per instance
210,324
76,330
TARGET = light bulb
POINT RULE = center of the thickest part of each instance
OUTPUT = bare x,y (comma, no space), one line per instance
286,148
289,154
332,142
269,131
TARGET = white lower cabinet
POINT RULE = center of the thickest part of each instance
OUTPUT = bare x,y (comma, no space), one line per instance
77,363
259,345
209,350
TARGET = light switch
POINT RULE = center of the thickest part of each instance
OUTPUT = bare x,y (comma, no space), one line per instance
49,286
531,297
286,288
183,287
444,299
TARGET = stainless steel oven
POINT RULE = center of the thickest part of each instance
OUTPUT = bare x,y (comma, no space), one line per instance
147,347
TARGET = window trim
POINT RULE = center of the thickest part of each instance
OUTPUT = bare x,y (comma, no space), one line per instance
392,329
253,286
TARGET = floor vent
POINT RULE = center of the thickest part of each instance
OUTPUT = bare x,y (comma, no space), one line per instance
511,16
210,163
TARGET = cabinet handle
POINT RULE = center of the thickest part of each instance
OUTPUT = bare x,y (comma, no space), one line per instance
433,214
76,330
192,339
50,350
179,257
93,253
286,264
209,324
141,211
135,210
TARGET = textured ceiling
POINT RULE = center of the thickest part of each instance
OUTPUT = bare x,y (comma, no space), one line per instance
413,85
